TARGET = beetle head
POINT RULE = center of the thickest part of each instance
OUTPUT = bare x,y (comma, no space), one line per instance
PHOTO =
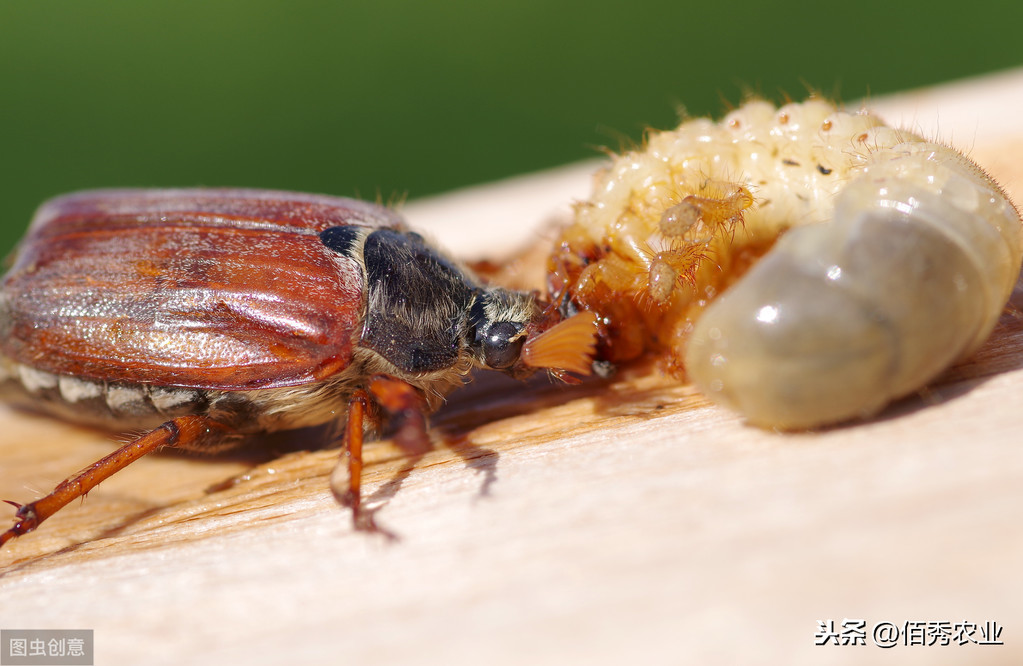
513,334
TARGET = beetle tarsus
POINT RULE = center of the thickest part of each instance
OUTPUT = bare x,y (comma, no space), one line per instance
406,407
184,431
363,519
11,533
26,521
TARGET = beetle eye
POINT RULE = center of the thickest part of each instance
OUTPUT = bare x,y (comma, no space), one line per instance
502,344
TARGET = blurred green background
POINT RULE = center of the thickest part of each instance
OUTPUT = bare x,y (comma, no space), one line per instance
397,97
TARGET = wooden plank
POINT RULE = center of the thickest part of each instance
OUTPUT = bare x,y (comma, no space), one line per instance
622,519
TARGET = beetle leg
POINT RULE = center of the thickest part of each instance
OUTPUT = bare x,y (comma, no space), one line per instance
184,432
346,479
403,403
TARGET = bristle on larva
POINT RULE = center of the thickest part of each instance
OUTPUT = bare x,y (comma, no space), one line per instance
569,345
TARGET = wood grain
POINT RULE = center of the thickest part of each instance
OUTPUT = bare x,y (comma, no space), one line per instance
616,520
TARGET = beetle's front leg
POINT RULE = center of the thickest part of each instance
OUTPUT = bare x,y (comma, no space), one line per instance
407,409
403,403
186,432
346,479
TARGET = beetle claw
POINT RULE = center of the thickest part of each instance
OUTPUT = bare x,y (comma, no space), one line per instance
364,521
25,521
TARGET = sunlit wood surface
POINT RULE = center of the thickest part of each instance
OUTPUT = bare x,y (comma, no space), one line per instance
616,521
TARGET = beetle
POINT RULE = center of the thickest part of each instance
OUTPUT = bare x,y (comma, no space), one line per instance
211,316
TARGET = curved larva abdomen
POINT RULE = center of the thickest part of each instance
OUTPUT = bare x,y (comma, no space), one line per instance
842,317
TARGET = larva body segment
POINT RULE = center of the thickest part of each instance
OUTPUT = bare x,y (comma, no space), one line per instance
843,317
901,256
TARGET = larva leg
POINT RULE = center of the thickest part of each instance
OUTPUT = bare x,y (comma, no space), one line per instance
643,270
612,273
186,432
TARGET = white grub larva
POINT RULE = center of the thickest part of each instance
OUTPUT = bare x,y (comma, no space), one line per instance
899,261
